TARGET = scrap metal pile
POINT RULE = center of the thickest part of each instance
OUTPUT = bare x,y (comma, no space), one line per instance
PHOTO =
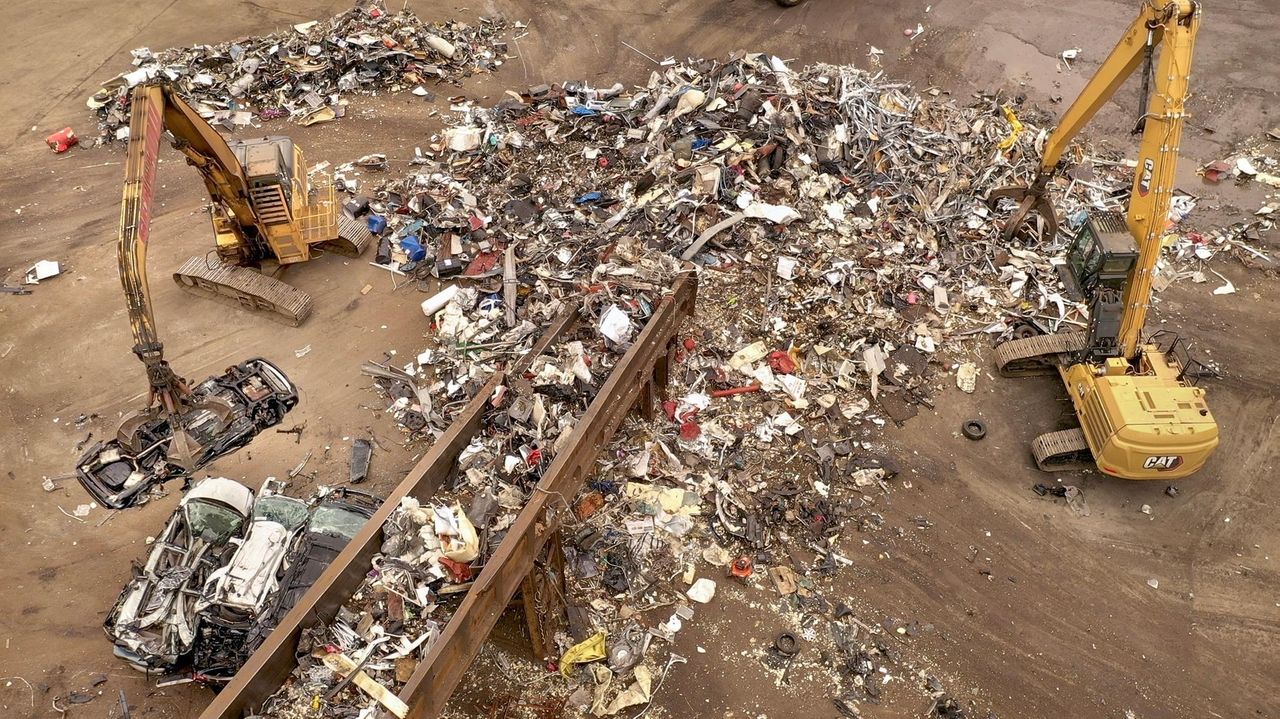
847,253
431,551
853,205
304,72
660,531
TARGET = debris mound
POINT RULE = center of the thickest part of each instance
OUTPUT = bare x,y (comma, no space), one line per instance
303,72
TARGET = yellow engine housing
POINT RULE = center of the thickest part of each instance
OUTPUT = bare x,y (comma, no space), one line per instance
1140,420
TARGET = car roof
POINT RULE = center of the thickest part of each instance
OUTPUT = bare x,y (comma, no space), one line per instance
227,491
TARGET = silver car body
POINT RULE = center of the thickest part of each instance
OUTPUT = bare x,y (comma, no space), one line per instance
153,624
245,584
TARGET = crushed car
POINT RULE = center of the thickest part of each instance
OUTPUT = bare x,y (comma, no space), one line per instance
154,624
253,396
338,516
235,595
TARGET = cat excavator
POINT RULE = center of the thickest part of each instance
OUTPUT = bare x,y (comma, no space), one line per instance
264,208
1140,414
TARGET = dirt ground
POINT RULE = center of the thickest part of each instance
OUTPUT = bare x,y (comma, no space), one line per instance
1038,610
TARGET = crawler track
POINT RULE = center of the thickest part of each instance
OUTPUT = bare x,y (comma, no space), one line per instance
207,277
244,288
353,238
1039,355
1062,451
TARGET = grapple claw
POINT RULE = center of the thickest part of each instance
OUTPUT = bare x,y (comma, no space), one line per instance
1031,201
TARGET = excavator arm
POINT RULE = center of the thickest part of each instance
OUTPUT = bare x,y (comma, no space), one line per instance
154,110
1154,177
1173,25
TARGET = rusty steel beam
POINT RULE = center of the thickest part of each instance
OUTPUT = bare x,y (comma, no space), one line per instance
433,682
428,690
267,669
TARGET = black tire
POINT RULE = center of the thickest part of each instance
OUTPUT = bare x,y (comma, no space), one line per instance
787,645
1024,331
789,3
974,429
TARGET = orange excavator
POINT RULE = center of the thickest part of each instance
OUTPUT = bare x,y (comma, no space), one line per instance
1140,415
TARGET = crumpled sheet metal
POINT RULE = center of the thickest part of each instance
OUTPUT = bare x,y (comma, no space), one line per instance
869,195
304,71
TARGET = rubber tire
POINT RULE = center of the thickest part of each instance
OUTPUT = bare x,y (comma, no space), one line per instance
974,429
786,644
789,3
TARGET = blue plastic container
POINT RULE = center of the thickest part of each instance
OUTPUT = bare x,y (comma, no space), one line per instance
377,223
413,248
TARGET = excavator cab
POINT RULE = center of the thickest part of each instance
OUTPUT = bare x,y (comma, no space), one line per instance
1100,257
1097,268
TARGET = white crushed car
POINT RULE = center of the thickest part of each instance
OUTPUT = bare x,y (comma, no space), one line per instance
250,578
154,623
235,595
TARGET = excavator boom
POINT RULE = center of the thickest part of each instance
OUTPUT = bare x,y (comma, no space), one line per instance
168,395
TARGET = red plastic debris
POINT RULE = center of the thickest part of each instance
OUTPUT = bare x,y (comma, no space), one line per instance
690,343
690,431
669,406
535,458
458,571
482,263
912,298
736,390
742,567
587,505
62,140
1216,172
781,362
602,162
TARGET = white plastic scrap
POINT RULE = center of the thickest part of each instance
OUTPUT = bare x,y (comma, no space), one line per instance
616,325
874,358
967,377
702,590
42,270
1225,289
787,268
777,214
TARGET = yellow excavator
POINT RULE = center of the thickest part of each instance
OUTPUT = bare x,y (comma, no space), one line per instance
1140,415
265,208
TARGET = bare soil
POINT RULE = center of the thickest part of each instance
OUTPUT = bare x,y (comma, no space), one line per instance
1038,611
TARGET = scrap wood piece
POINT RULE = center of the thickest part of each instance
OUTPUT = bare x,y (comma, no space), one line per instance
784,579
342,664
